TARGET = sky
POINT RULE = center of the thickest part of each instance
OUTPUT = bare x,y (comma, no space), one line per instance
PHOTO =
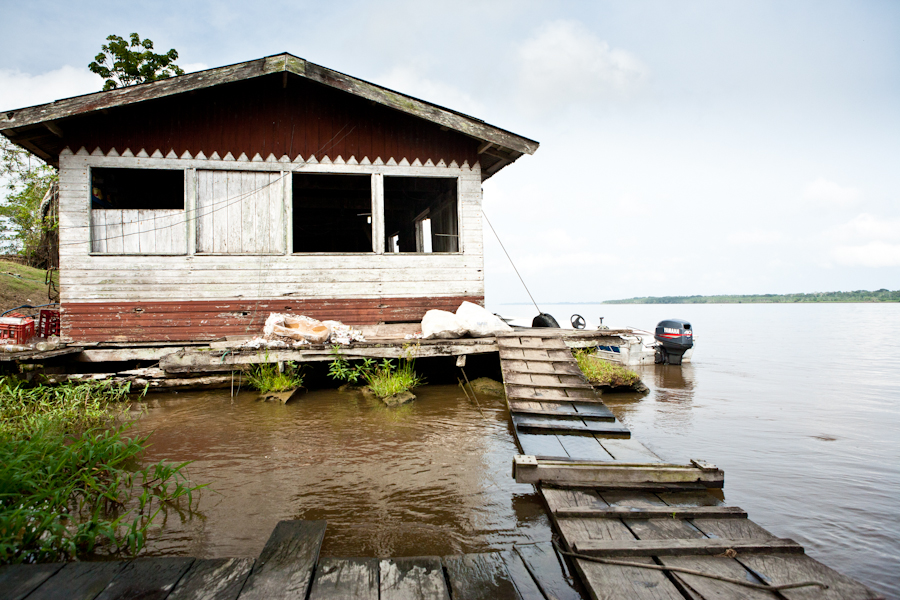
689,147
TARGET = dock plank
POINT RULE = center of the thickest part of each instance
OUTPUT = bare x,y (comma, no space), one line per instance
17,581
549,570
79,581
584,447
540,444
568,425
340,578
213,579
414,578
668,512
285,565
479,577
542,412
147,578
681,547
629,451
522,578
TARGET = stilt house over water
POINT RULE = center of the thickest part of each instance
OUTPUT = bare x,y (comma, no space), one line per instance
192,207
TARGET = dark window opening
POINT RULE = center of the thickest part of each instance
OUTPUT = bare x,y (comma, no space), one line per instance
137,189
332,213
420,214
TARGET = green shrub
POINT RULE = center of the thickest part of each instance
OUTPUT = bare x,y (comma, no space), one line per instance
602,371
70,478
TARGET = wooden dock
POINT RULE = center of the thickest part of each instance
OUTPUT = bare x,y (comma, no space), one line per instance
289,567
623,514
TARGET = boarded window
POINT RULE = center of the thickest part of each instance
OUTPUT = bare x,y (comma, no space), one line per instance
138,211
240,212
332,213
420,214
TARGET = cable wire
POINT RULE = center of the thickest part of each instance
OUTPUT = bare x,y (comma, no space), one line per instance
540,312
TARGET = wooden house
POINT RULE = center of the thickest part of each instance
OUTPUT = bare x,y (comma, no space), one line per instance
192,207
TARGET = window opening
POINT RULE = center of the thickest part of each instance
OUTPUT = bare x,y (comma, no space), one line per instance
332,213
421,214
137,211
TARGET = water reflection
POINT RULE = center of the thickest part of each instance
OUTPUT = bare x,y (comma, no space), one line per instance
431,477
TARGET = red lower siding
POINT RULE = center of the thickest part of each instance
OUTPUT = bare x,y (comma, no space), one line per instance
211,320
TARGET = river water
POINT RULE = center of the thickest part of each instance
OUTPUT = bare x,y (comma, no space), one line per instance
798,404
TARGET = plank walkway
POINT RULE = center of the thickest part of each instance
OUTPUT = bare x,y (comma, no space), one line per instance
289,567
611,497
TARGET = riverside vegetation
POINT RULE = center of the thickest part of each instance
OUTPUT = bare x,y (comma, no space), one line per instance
268,377
71,482
385,379
604,372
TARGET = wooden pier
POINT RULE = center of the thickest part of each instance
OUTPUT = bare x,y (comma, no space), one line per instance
289,567
625,516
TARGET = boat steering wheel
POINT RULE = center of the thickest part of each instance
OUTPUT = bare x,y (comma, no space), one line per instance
578,322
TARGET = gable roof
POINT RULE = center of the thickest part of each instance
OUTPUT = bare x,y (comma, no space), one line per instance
25,126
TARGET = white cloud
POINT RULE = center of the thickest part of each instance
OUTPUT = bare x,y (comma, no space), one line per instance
866,227
564,63
408,81
18,89
873,254
755,237
828,192
194,67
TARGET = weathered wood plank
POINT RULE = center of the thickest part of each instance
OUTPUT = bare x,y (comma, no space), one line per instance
559,414
562,425
479,577
147,578
528,470
681,547
17,581
549,571
540,444
340,578
526,585
213,579
78,581
619,512
630,451
286,563
414,578
540,394
584,447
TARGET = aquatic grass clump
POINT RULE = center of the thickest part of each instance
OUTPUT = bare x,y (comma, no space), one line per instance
602,371
70,406
70,478
267,377
384,379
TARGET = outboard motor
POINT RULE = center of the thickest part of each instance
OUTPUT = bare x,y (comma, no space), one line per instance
675,337
544,320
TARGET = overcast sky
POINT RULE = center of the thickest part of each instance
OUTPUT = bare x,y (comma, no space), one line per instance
686,147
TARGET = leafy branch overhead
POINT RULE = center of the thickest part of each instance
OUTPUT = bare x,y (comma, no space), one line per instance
128,62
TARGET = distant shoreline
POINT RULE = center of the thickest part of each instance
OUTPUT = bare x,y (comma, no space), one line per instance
857,297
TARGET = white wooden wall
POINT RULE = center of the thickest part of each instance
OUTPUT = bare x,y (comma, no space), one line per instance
264,266
138,231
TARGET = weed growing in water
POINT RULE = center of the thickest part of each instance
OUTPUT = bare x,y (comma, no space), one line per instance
385,378
70,479
598,370
267,377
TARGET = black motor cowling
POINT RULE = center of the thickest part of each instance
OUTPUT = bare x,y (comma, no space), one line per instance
544,320
675,337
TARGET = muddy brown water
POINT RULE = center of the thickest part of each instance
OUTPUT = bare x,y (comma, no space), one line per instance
428,478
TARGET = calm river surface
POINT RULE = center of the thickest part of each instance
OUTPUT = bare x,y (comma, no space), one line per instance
799,404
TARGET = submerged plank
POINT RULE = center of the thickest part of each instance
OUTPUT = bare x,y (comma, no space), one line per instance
286,563
584,447
339,578
213,579
17,581
147,578
549,571
78,581
479,577
414,578
681,547
540,444
631,451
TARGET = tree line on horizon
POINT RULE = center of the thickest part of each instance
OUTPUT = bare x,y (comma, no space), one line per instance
882,295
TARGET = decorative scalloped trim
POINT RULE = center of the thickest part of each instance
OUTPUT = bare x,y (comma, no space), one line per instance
352,161
271,158
325,160
112,152
378,161
83,152
171,154
256,158
428,163
215,156
128,153
453,164
243,157
142,154
97,152
365,161
417,163
284,159
228,156
186,155
391,162
299,159
339,160
312,160
200,156
156,154
441,163
66,152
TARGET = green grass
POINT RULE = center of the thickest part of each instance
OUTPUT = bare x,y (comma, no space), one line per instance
604,372
267,378
71,481
385,379
20,284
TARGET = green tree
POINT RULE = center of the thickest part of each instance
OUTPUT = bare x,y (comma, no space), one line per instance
27,179
127,62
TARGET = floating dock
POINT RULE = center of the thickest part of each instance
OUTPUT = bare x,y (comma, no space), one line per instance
635,526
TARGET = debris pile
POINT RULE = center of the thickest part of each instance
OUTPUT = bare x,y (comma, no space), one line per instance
284,330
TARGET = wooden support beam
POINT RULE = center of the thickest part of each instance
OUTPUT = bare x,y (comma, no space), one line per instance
674,512
54,129
529,469
680,547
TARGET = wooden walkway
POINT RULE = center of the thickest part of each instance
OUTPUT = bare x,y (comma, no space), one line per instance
613,499
289,567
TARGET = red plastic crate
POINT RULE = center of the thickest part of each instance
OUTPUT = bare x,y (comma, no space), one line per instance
19,333
48,323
